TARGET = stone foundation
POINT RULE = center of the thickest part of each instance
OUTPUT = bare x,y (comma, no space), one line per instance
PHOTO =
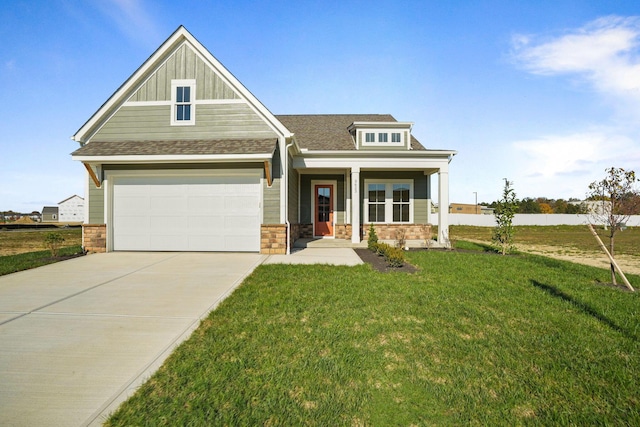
305,231
273,239
343,231
94,238
390,231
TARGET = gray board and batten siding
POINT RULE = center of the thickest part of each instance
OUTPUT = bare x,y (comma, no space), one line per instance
220,112
183,64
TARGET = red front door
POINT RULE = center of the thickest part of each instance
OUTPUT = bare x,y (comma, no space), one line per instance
324,210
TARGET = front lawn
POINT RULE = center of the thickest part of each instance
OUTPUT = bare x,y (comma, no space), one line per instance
25,261
472,338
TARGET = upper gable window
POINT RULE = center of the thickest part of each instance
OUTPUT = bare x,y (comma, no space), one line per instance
183,108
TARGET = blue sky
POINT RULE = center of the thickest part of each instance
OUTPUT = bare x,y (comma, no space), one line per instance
544,93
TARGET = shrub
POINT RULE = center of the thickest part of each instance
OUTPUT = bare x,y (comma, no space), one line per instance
53,241
394,257
373,238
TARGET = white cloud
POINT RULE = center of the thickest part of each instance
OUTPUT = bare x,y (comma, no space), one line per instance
566,164
605,55
605,52
133,19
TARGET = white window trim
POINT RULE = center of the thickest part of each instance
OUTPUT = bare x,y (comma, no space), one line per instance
191,83
388,198
376,142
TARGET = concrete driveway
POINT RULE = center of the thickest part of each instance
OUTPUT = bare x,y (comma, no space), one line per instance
78,337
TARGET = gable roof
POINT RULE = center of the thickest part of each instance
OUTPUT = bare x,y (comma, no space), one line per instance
69,198
329,132
178,38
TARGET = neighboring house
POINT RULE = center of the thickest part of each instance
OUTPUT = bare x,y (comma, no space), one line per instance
50,214
182,157
464,208
71,209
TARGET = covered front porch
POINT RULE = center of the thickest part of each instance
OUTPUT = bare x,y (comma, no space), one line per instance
394,195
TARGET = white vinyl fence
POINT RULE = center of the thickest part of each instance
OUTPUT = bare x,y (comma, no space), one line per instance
526,219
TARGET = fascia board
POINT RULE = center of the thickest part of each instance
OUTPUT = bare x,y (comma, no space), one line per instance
386,154
370,163
403,125
200,158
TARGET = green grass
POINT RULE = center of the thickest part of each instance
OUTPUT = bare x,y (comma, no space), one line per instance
471,339
13,242
570,236
13,263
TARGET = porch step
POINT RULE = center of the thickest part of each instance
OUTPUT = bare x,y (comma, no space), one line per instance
327,243
342,243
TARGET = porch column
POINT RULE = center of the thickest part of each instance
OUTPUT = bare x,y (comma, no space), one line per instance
443,206
355,205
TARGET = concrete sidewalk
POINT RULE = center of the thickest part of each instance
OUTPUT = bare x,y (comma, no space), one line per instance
310,255
78,337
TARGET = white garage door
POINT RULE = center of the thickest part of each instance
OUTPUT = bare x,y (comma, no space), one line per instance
186,213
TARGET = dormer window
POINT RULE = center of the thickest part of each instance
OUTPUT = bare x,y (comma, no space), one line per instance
381,135
183,110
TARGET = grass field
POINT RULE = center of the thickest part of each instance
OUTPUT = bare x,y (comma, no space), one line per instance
14,242
471,339
562,236
24,249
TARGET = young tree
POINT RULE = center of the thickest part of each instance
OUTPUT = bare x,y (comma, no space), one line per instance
504,211
619,199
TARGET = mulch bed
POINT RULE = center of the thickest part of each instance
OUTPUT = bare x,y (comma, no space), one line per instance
378,263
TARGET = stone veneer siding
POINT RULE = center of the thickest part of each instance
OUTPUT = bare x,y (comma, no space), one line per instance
388,231
273,239
343,231
94,237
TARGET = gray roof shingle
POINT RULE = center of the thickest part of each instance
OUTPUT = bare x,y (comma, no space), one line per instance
195,147
319,132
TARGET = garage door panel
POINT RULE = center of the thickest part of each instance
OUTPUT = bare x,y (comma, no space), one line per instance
134,224
170,224
168,242
239,225
182,213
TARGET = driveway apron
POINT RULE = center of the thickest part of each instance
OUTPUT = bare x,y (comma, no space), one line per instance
78,337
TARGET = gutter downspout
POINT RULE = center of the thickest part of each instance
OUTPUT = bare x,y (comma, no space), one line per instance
286,196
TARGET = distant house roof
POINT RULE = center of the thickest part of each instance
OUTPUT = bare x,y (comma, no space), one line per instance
146,148
69,198
319,132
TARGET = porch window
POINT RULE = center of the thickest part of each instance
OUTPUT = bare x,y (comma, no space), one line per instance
400,202
390,202
376,202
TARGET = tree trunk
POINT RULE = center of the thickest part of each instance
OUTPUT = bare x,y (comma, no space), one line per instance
611,245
